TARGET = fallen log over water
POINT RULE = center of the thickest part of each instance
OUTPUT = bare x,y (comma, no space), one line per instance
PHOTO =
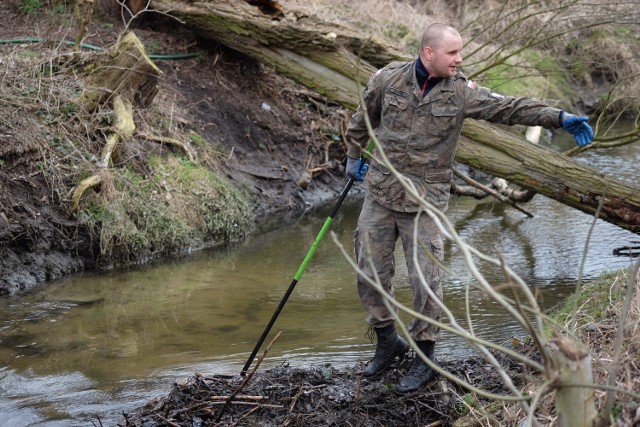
330,59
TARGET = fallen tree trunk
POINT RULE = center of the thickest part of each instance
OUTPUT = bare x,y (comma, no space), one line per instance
549,173
331,59
325,57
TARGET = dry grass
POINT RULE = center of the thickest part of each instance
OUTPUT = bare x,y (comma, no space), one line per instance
139,211
601,338
32,88
598,317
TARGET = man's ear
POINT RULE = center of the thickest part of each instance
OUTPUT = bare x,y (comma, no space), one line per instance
428,53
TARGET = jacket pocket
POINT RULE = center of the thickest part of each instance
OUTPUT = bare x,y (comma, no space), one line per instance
438,186
394,110
443,120
443,110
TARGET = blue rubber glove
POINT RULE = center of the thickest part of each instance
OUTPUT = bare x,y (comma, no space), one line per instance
578,127
355,169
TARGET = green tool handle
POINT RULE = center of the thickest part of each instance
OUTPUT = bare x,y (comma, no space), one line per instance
305,262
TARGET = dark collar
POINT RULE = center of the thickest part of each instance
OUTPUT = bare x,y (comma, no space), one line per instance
421,72
425,82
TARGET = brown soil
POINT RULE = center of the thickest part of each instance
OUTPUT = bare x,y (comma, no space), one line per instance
266,128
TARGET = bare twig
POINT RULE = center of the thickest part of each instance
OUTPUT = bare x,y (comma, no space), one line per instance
245,416
127,21
572,319
489,191
171,141
240,402
169,423
247,378
83,11
608,406
296,397
239,396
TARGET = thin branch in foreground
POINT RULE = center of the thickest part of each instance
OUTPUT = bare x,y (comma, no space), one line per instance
608,406
459,332
572,319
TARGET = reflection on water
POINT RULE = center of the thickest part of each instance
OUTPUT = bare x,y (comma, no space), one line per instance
99,344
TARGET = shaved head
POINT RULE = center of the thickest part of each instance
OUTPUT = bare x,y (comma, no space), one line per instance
434,34
440,50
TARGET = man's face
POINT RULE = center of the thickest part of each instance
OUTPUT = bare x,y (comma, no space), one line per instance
443,58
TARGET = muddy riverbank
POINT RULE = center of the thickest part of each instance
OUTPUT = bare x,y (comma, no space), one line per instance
254,129
319,396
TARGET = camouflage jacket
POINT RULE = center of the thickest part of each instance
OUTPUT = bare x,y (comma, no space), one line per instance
419,134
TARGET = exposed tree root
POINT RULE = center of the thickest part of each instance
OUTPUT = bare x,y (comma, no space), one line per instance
171,141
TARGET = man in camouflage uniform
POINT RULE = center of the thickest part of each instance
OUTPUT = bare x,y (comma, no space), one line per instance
416,110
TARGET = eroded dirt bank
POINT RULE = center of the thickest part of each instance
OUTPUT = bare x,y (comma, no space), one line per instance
264,131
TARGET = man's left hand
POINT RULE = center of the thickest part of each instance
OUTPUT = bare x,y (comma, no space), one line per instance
356,169
578,127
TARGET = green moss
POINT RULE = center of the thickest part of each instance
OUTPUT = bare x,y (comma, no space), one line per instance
217,208
69,110
469,400
625,32
397,33
552,70
28,53
500,78
61,8
152,46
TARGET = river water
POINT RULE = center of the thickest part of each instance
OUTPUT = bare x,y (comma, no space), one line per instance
90,346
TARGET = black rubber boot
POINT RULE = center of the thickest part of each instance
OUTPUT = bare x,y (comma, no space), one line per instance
420,373
388,347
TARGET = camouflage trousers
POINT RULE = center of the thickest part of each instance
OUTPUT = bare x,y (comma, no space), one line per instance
375,239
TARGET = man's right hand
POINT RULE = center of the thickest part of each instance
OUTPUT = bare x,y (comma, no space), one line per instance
355,169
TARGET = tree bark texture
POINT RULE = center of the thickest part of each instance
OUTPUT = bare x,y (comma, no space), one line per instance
549,173
325,57
336,62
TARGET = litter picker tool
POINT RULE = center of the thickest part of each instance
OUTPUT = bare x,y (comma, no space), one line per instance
305,262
